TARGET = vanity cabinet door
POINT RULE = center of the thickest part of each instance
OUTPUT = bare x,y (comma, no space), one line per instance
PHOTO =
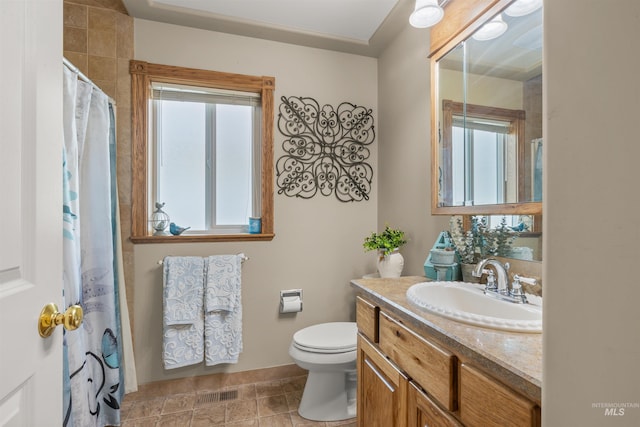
487,403
367,318
424,412
382,389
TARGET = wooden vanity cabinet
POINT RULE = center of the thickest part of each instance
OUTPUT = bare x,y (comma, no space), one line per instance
367,319
423,411
485,402
382,389
407,379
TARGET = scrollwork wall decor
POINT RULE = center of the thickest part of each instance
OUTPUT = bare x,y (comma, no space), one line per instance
325,149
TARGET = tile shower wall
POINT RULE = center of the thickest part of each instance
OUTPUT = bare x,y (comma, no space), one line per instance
98,39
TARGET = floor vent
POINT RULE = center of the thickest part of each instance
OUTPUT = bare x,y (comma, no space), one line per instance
217,396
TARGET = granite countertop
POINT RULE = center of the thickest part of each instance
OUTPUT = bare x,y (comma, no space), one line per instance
511,357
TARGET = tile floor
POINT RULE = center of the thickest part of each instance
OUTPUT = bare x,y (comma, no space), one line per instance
262,404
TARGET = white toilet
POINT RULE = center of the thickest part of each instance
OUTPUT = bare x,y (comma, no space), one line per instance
328,352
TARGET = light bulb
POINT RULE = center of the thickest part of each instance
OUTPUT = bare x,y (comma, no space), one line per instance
491,30
426,14
523,7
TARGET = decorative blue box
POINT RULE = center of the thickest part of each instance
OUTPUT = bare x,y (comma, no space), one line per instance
255,225
453,270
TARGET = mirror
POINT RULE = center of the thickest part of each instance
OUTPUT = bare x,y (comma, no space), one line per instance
527,245
487,99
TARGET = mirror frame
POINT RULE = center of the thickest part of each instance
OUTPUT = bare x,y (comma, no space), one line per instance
462,18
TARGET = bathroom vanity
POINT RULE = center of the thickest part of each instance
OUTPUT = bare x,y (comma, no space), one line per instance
416,368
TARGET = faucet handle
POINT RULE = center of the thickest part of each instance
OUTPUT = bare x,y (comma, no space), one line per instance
491,281
527,280
516,286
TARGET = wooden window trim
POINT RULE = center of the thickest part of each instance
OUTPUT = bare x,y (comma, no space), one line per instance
142,75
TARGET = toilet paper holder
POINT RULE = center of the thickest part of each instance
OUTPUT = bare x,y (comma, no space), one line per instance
291,301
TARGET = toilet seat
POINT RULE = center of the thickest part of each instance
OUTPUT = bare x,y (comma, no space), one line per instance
328,338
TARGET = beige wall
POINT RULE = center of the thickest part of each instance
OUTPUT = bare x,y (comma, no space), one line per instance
404,150
591,338
318,243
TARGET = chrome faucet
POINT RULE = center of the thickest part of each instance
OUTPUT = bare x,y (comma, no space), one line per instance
502,289
502,275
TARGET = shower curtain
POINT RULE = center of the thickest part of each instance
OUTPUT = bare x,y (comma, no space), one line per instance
93,374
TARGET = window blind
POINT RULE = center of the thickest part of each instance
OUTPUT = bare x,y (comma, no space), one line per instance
477,123
174,92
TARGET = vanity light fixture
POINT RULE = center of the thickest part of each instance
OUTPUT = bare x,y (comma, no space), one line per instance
492,29
523,7
427,13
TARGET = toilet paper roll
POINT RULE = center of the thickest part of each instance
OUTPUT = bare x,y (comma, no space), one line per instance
290,305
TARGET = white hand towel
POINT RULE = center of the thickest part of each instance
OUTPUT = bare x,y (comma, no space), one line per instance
223,306
183,313
223,282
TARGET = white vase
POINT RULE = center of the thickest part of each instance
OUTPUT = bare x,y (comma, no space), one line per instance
390,265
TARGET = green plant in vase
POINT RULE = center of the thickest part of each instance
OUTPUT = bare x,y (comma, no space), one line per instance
470,244
385,242
500,239
390,262
480,242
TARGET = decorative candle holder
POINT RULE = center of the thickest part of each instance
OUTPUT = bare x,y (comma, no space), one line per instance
159,220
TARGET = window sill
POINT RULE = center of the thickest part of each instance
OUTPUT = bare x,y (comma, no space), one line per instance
201,238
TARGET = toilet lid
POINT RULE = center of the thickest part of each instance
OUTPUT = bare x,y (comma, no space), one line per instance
335,337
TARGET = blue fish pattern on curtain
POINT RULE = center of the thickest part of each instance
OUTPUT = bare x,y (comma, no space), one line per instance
92,377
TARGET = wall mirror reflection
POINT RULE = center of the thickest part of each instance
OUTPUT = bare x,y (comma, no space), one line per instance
528,243
521,239
488,107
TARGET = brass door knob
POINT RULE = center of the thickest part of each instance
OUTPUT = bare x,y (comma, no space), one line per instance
50,317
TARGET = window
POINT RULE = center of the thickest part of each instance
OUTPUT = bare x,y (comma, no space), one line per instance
483,146
203,145
483,155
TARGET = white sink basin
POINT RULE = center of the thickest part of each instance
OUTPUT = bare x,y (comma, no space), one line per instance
466,302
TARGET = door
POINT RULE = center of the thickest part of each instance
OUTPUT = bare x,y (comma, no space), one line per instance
423,411
382,389
30,210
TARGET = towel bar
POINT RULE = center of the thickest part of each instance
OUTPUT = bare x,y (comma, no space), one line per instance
243,256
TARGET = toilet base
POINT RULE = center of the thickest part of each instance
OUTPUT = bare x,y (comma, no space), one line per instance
329,396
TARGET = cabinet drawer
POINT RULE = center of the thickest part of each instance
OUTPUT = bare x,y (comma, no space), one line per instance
424,412
367,318
432,367
485,403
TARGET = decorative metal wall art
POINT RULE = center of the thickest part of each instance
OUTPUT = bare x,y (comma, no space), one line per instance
325,148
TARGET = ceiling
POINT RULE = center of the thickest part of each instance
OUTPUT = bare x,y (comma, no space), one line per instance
515,55
362,27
